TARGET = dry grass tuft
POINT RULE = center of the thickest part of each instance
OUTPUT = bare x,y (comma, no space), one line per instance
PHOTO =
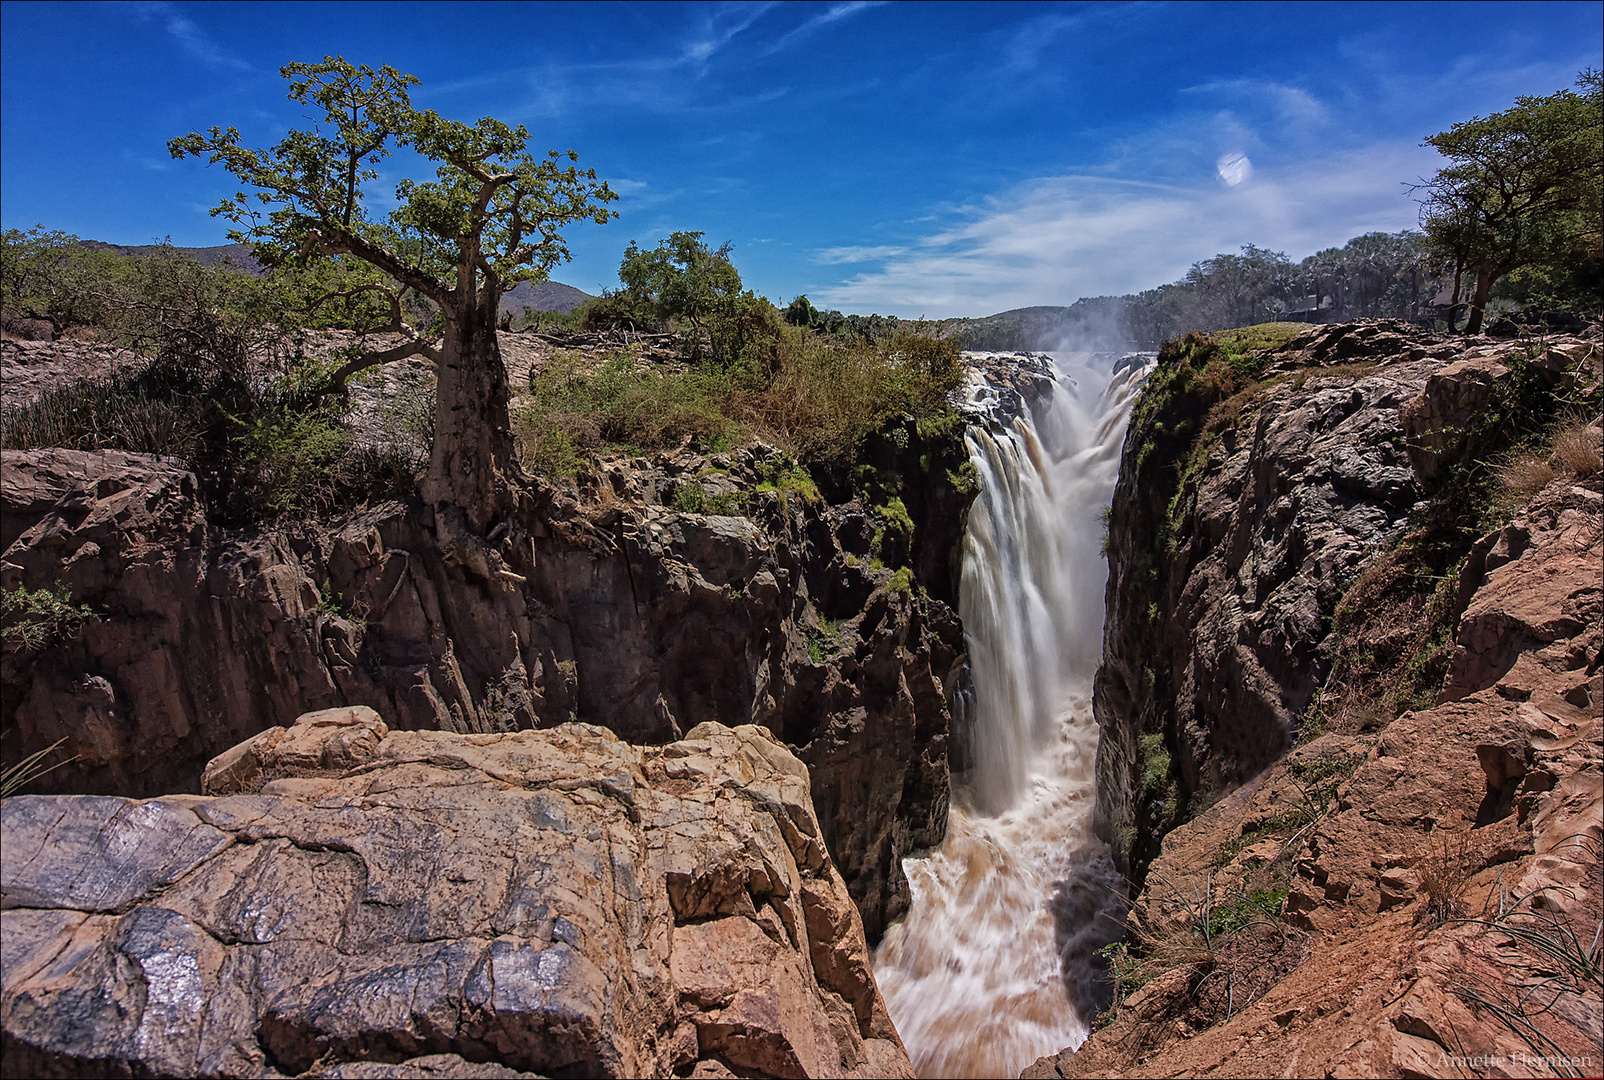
1526,476
1577,450
1451,860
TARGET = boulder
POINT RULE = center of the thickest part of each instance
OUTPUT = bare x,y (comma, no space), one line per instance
1437,422
364,902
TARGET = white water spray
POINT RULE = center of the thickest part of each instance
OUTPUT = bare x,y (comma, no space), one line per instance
980,978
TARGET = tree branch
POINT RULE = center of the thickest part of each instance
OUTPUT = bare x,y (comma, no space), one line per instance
396,324
346,242
409,348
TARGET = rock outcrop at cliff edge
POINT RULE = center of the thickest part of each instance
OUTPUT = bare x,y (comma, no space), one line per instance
605,605
1442,918
359,902
1239,523
1222,581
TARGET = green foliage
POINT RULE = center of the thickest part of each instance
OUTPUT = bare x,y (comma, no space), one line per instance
901,581
114,413
801,313
696,288
1254,907
493,206
622,402
1128,974
53,276
691,497
894,533
822,640
493,217
1523,187
1156,764
32,620
162,303
618,310
681,279
261,445
786,476
816,397
965,479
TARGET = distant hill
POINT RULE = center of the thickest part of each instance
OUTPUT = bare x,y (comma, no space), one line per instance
1094,322
238,254
544,296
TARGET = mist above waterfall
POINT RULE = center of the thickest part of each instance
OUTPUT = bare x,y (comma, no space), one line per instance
994,965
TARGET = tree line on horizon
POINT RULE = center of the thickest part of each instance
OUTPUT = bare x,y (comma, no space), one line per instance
1514,221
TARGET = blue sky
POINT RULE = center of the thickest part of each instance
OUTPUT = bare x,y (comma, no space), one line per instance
910,159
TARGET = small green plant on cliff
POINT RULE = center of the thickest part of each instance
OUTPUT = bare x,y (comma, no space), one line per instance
895,530
965,479
901,582
33,619
690,497
823,639
786,477
1317,782
1233,946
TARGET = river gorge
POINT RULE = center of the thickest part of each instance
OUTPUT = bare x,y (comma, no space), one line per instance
1137,724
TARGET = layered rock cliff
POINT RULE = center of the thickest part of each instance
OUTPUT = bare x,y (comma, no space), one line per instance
650,595
348,901
1352,744
609,607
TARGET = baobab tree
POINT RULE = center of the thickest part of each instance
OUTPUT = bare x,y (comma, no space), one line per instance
492,217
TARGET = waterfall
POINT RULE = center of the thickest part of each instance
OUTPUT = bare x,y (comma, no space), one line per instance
992,968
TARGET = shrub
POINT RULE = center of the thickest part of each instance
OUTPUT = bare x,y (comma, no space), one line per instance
34,619
114,413
1450,862
691,497
623,402
1526,476
814,396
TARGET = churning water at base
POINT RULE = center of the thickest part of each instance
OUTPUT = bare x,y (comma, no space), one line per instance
992,967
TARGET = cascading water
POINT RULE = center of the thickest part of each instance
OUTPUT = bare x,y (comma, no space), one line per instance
991,968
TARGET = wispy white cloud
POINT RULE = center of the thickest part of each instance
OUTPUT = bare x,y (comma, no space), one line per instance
857,254
1054,240
833,14
1286,104
190,37
721,25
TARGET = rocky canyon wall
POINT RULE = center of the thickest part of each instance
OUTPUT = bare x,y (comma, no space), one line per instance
1352,750
599,602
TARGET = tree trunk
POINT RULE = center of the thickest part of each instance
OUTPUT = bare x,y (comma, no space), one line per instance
1453,301
473,465
1478,304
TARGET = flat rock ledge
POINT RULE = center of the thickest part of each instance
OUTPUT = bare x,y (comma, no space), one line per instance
348,901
